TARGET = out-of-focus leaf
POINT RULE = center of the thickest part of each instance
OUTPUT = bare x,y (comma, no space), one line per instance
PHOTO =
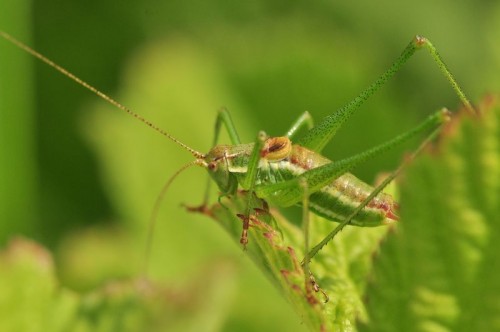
29,294
440,271
32,299
137,305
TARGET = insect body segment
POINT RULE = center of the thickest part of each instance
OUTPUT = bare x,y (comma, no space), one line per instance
224,161
339,199
276,148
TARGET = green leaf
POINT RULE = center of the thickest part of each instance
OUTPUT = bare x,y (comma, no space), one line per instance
276,246
32,298
440,269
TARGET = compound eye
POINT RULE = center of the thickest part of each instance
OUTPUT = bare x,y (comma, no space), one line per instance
212,165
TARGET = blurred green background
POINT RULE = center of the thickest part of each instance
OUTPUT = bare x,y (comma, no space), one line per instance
81,177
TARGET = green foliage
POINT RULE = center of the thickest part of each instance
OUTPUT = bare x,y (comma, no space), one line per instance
440,269
276,246
33,300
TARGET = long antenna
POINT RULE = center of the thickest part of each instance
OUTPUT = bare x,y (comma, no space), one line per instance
156,209
107,98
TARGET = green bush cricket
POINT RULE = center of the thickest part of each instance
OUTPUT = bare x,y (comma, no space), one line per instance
285,173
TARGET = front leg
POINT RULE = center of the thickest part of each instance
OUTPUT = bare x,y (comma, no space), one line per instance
248,182
223,118
270,149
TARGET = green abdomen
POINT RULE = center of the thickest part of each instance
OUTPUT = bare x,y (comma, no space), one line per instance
337,200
